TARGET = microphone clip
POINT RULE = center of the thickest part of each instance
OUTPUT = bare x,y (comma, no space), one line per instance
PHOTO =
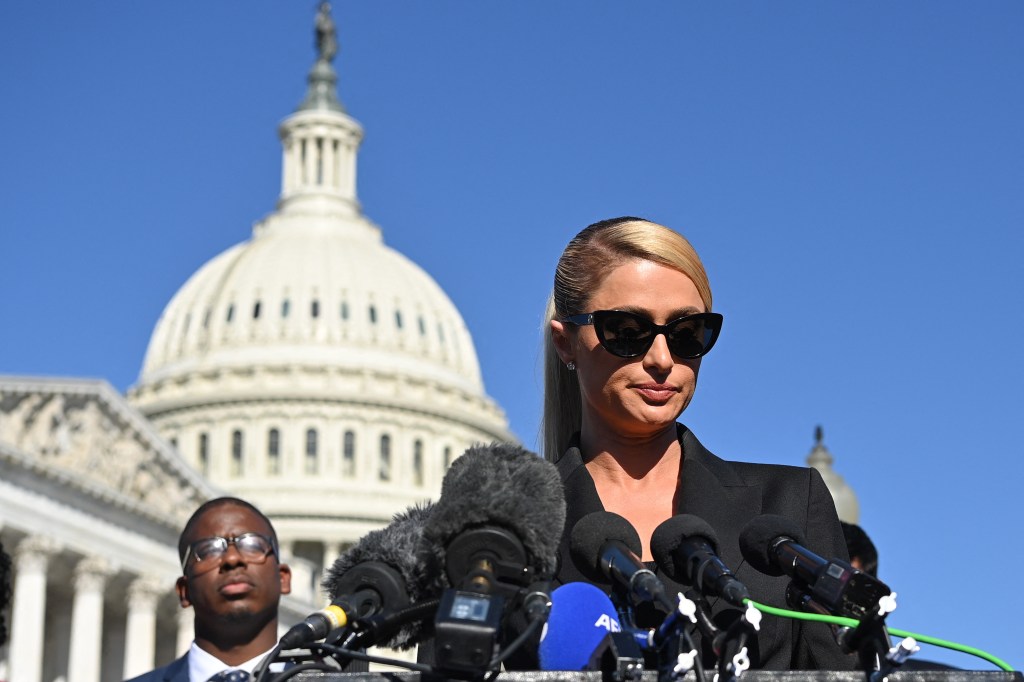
619,657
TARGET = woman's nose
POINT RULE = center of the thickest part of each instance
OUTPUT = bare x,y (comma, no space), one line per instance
658,356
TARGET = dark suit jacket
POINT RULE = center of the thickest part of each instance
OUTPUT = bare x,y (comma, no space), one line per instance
175,671
728,495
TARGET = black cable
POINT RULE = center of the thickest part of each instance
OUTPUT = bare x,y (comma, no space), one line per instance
264,666
494,667
375,626
698,666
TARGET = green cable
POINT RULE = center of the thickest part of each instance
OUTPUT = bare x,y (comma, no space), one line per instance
851,623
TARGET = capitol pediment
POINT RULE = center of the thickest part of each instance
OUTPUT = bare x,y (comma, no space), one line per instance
83,436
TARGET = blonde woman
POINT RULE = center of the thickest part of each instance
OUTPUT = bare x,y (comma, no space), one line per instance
630,322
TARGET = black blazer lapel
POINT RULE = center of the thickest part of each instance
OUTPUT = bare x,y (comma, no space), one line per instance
581,498
712,489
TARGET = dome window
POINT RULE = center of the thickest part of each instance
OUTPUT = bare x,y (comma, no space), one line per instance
384,468
204,454
423,326
231,312
314,308
311,459
184,327
206,318
344,310
398,319
440,333
286,306
373,315
273,452
447,457
348,454
256,310
417,463
236,453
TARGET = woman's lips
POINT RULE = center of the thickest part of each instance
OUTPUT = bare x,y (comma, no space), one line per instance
657,392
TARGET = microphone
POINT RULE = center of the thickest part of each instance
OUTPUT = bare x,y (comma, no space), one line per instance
774,545
379,576
582,616
493,498
686,548
604,546
493,533
334,616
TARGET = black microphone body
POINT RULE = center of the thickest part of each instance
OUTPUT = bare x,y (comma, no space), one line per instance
686,548
340,613
604,546
774,545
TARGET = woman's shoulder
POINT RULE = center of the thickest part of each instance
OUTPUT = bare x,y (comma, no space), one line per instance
745,473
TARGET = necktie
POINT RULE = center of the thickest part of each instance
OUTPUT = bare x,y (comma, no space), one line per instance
230,675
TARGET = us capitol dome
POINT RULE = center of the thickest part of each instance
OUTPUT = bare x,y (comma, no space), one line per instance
313,369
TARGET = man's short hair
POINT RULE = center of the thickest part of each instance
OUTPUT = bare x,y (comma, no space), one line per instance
859,545
185,537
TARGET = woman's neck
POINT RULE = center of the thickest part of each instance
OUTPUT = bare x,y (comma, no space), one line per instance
636,478
623,459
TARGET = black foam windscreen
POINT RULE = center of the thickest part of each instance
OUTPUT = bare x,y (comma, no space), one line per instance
757,540
589,536
497,485
670,534
394,545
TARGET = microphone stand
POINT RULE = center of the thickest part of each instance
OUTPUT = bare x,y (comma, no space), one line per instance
870,639
733,655
675,661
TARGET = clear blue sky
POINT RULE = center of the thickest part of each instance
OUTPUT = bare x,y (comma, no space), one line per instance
851,173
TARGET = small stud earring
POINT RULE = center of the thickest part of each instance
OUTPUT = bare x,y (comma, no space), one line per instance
571,366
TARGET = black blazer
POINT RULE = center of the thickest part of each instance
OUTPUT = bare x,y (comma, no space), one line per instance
175,671
728,495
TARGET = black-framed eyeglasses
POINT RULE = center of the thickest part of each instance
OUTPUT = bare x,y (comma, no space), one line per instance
209,552
628,335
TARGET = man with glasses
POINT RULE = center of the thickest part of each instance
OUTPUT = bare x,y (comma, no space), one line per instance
233,579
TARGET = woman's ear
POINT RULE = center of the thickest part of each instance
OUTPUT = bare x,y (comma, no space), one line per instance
562,340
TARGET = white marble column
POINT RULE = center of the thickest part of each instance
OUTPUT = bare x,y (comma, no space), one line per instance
347,182
311,161
140,629
329,162
91,576
332,550
28,617
285,165
186,631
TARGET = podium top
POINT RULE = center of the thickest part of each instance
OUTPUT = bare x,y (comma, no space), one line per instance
652,676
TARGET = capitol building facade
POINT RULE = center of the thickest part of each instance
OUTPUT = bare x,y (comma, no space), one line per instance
312,370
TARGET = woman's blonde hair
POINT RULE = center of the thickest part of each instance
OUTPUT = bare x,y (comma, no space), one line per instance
588,258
